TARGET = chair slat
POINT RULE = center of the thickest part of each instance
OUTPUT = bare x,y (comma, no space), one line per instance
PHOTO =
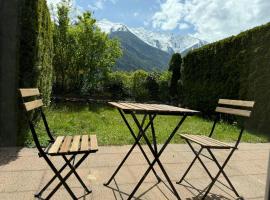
56,145
75,146
65,145
232,111
206,141
248,104
93,142
214,141
195,139
31,105
28,92
85,143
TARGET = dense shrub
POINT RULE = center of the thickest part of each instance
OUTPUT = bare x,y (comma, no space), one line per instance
237,68
138,85
118,85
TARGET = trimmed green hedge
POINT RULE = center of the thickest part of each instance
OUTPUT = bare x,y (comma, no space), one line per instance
237,68
36,47
35,54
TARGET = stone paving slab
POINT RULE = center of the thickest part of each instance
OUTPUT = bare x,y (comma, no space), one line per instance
23,173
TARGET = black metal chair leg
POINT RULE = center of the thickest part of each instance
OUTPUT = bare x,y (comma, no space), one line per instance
223,173
209,174
218,174
63,180
77,176
53,178
190,166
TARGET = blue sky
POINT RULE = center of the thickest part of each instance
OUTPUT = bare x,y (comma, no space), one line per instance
209,20
134,13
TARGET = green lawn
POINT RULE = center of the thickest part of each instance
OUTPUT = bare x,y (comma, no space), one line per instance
107,124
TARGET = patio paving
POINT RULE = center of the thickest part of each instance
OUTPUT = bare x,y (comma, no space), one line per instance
23,173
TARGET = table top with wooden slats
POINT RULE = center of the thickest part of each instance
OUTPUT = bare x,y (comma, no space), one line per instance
143,108
73,144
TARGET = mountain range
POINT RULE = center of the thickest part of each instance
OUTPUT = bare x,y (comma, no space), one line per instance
145,49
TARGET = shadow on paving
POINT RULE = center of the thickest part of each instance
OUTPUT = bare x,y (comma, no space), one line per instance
123,195
197,196
8,154
199,193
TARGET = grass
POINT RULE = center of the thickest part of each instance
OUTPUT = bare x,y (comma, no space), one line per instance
107,124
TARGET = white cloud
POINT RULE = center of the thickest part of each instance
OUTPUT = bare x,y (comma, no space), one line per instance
99,4
212,19
169,15
183,26
75,11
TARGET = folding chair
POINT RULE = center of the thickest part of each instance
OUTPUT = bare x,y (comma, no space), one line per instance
230,108
66,147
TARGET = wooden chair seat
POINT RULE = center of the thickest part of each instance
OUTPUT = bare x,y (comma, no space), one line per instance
66,145
206,141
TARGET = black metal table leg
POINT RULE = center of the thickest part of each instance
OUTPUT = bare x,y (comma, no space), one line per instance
153,135
156,159
137,139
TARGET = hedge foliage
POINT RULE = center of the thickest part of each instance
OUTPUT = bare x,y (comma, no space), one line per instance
35,54
236,68
36,47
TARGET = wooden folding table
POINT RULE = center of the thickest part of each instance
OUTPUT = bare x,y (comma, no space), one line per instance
151,111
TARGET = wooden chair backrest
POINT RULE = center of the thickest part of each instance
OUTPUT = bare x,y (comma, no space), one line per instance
31,106
235,107
31,92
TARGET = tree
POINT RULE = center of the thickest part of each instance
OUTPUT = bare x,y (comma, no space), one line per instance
62,44
97,53
175,68
83,54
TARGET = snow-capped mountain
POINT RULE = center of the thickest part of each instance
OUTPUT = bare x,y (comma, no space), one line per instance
167,42
109,27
